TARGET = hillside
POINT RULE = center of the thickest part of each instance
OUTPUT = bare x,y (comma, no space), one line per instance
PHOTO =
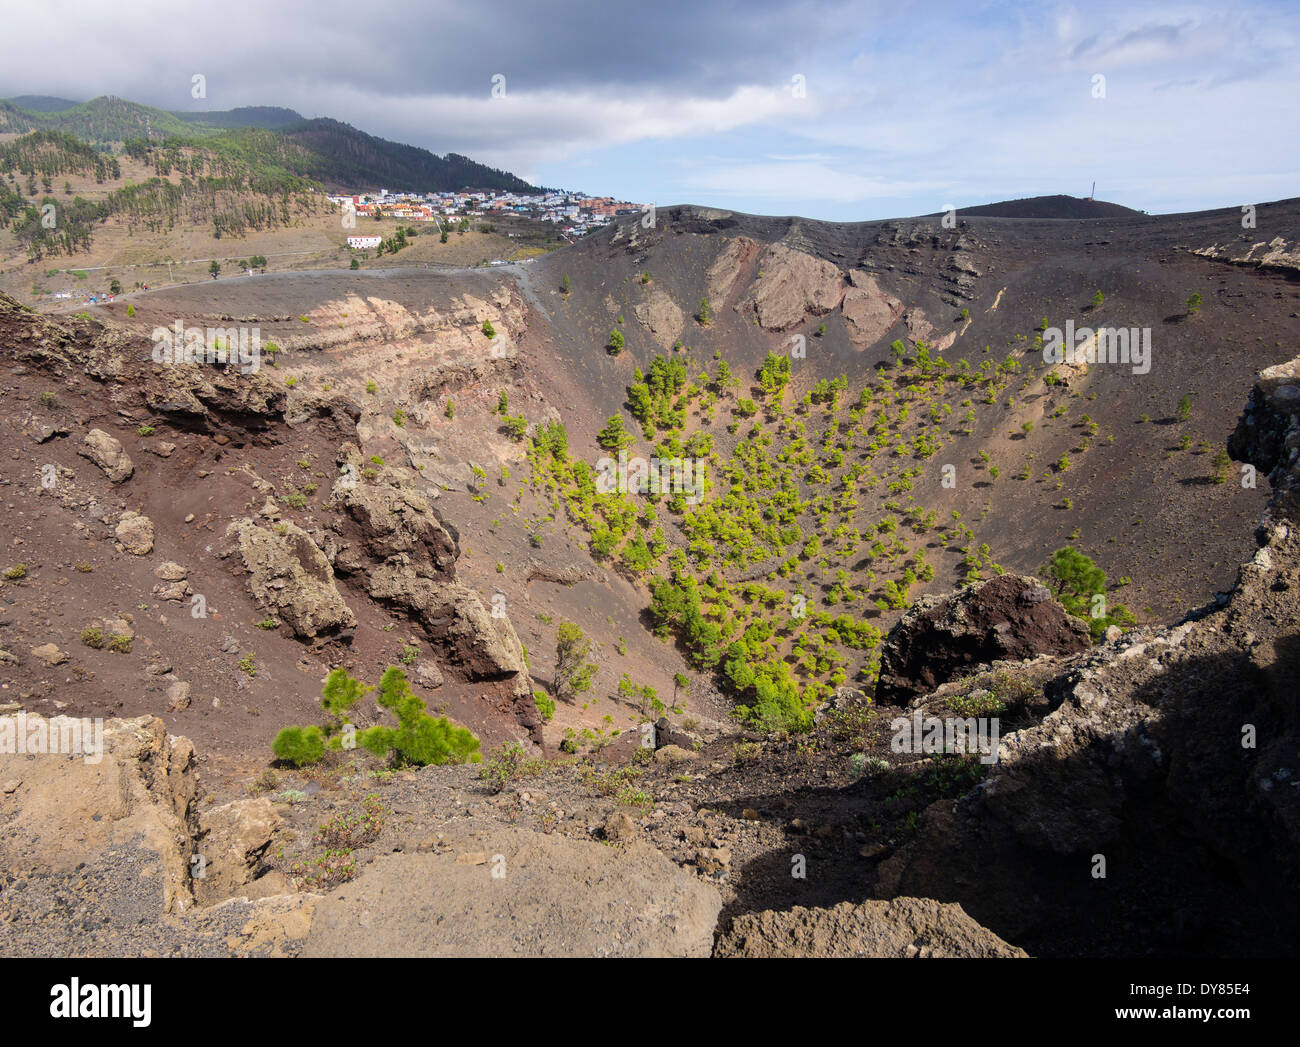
333,153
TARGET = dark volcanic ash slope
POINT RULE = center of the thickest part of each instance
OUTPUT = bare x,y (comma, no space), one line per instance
1133,489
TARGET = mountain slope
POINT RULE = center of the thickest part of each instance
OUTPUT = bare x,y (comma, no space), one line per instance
333,153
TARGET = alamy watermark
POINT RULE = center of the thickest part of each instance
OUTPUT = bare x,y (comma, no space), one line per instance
21,735
230,346
1102,345
685,476
931,735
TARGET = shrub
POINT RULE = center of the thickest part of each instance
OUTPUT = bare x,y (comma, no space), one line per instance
503,763
515,426
614,437
573,673
299,746
418,739
352,829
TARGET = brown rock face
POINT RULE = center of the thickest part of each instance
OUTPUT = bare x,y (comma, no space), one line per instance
736,252
407,557
1008,618
394,519
793,286
234,841
868,310
130,790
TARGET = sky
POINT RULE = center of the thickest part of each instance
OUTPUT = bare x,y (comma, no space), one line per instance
822,108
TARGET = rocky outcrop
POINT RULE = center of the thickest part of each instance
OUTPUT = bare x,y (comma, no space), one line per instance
661,317
1267,437
511,893
107,453
393,519
215,399
406,556
232,846
869,311
793,286
290,577
920,329
173,581
121,800
1271,254
900,928
1007,618
486,648
102,852
736,253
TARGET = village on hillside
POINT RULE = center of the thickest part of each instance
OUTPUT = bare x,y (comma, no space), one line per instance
573,213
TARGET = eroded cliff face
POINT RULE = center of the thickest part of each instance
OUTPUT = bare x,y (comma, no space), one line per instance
246,493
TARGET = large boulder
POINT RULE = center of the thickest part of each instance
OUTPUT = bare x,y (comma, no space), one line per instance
393,519
1008,618
107,453
486,648
898,928
290,577
135,533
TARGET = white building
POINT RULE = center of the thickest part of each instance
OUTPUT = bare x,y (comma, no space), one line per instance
364,243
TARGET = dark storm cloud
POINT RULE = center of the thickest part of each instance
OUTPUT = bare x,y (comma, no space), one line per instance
265,53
